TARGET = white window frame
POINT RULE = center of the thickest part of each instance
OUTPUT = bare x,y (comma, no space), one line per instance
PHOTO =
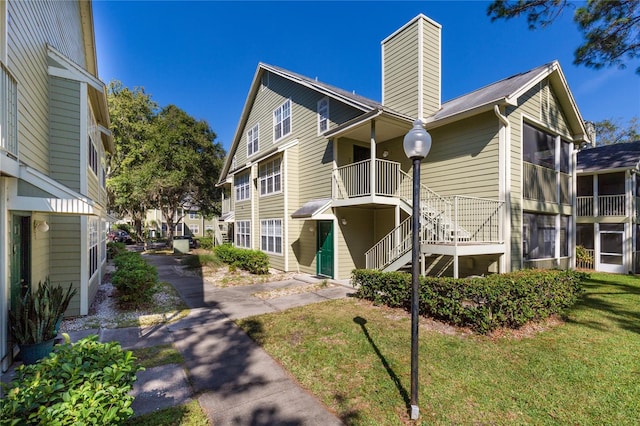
194,228
271,236
193,215
93,156
253,140
270,173
242,187
323,115
92,235
243,234
281,116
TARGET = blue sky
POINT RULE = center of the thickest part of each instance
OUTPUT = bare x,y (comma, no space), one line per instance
202,56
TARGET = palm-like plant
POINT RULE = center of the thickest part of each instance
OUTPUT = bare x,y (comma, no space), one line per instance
34,318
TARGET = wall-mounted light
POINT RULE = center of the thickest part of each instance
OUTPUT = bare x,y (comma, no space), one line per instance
344,221
41,226
385,153
311,229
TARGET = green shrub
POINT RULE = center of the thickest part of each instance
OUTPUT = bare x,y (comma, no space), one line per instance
484,304
84,383
204,243
135,279
115,248
254,261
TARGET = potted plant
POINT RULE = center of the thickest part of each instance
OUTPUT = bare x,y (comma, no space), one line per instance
35,318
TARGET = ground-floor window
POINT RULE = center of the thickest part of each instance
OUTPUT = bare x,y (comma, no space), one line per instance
271,236
540,235
611,243
243,233
93,245
194,228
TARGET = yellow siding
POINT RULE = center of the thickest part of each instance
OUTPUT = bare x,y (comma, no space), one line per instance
401,71
464,158
353,239
58,25
431,66
40,249
65,257
294,227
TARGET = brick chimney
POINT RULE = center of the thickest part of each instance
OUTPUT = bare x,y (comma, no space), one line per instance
411,68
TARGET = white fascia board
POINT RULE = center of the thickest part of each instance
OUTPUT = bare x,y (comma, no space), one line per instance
72,70
47,184
52,205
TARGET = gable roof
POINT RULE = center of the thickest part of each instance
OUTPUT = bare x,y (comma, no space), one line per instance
503,92
619,156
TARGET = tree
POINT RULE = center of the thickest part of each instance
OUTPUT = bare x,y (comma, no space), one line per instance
132,113
182,166
611,29
611,131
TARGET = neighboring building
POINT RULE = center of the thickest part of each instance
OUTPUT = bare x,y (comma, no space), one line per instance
319,180
54,139
607,206
192,223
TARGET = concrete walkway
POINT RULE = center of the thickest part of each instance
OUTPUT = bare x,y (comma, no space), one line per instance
235,381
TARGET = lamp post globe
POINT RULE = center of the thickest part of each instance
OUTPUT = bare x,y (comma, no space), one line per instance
417,143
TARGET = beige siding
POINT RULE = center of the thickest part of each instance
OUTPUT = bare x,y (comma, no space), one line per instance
431,68
411,69
64,116
353,239
65,259
40,249
401,71
291,187
464,158
58,25
304,246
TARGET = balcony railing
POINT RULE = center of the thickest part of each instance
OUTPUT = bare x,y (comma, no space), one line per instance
354,180
8,112
608,205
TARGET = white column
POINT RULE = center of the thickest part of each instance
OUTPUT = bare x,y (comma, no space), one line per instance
372,172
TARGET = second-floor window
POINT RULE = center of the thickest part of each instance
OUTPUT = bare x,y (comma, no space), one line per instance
323,115
193,215
270,176
282,120
253,135
93,156
243,191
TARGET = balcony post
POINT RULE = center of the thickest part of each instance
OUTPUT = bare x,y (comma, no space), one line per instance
373,171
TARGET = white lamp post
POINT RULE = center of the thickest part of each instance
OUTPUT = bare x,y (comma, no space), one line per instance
417,144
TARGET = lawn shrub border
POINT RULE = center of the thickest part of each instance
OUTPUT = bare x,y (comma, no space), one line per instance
254,261
135,279
482,303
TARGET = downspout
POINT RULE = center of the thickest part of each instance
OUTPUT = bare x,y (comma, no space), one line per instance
504,184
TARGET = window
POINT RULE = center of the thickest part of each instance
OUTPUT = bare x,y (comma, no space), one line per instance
243,233
539,236
539,147
93,157
8,112
282,120
193,215
243,191
565,156
323,115
93,245
252,140
271,236
194,228
270,177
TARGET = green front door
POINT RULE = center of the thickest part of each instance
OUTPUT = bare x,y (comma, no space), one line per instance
324,254
19,256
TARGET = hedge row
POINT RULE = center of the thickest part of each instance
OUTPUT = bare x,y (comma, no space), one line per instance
135,279
482,303
254,261
85,383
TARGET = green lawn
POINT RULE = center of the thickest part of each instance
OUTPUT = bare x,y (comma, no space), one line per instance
355,357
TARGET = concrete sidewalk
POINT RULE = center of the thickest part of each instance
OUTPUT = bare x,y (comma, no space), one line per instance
235,381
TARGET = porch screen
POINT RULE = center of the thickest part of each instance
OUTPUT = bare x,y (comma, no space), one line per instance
539,236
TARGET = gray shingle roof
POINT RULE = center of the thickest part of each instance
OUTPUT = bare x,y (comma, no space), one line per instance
489,94
608,157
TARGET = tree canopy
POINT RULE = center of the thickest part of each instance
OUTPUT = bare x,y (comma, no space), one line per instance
611,131
165,159
611,29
